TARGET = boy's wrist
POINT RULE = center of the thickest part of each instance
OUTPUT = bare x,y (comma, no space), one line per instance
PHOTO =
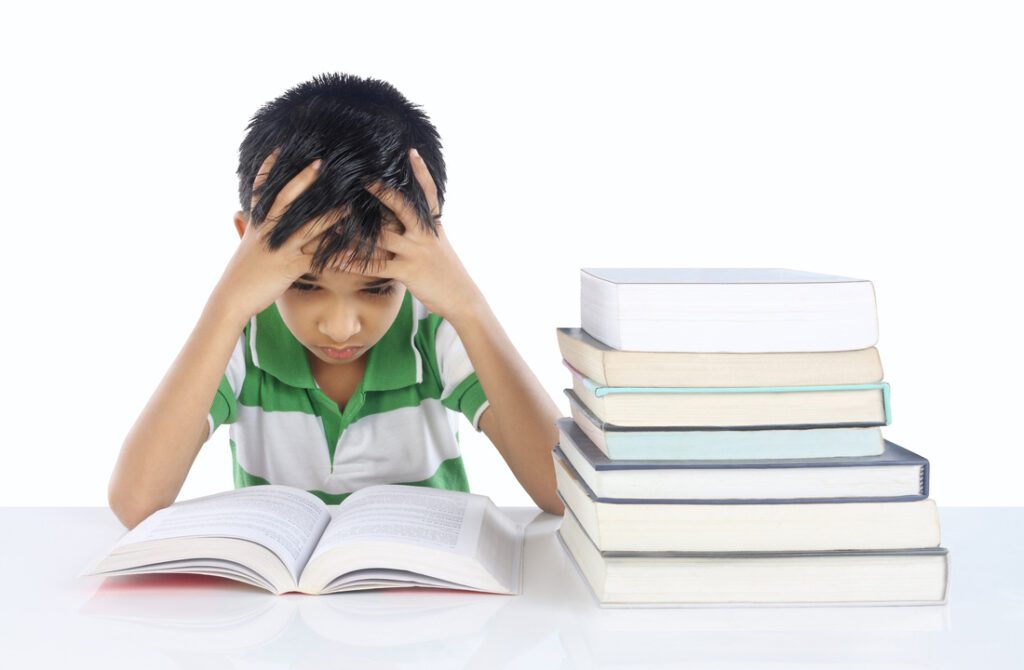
222,308
470,311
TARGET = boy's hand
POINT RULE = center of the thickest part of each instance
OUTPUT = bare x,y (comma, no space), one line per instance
425,263
255,276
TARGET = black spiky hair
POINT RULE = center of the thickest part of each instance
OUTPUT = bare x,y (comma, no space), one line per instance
362,129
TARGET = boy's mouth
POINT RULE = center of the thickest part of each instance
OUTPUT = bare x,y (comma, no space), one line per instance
340,354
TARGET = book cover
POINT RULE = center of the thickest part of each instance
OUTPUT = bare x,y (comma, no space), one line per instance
682,405
895,474
727,310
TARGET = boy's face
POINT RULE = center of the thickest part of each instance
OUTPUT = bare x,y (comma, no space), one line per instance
340,310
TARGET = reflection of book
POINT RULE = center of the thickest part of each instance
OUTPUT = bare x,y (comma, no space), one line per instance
196,613
423,619
285,539
191,612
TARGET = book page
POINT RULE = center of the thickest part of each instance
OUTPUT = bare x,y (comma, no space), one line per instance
432,518
432,522
286,520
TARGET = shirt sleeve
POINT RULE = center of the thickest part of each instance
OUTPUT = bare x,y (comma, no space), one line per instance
461,390
224,408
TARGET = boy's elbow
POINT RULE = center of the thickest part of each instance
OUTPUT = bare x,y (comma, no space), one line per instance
558,509
127,517
552,505
127,509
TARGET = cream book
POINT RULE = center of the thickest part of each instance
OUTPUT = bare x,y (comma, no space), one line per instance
894,577
614,367
284,539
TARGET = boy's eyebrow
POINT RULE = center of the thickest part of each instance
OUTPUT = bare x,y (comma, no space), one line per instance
373,281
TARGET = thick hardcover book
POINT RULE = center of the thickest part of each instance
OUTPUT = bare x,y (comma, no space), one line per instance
897,474
745,525
284,539
716,443
615,367
897,577
776,406
727,310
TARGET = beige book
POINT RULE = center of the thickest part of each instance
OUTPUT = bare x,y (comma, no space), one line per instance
614,367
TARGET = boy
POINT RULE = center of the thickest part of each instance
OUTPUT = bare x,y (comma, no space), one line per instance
345,335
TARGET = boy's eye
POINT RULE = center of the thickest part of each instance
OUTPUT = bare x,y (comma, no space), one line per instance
387,289
376,291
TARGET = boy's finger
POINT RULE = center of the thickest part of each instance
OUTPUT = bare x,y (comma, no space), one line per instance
261,175
395,242
310,248
380,265
308,236
422,172
397,203
309,241
292,190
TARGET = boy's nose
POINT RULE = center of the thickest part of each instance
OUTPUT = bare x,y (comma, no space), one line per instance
341,325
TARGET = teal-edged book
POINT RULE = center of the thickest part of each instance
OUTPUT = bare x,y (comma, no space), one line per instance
625,443
897,474
775,406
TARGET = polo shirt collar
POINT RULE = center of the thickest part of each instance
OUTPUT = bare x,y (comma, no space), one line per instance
392,363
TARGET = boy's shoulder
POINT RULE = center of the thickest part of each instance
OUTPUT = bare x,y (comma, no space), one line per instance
432,332
427,322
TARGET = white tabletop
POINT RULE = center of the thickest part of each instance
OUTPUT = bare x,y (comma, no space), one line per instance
50,618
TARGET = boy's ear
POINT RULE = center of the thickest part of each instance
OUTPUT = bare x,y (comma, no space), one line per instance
240,223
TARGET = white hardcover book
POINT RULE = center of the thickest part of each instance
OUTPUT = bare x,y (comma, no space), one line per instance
727,310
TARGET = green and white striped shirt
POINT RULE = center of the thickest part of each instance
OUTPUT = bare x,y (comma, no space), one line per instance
399,427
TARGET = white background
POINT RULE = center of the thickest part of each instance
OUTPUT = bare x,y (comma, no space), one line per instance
880,140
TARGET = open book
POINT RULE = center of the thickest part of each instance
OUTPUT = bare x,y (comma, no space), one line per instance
284,539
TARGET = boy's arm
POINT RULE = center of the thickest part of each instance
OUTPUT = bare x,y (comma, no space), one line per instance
520,420
160,448
163,443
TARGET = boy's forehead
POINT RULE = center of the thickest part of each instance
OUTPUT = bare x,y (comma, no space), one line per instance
352,275
380,255
337,275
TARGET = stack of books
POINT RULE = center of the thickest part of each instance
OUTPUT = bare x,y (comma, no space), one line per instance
725,445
